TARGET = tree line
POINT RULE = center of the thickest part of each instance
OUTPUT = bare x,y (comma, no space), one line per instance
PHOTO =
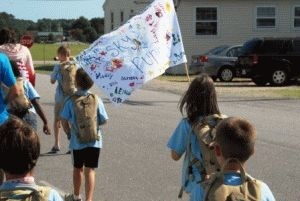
80,29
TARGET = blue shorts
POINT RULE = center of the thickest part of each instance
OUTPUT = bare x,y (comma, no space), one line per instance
87,157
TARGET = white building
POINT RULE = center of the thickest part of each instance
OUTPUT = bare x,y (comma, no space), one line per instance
209,23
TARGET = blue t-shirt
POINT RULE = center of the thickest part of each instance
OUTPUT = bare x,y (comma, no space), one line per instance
53,194
7,77
56,76
68,113
234,179
178,143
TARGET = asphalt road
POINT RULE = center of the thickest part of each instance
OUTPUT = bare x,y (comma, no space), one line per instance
135,164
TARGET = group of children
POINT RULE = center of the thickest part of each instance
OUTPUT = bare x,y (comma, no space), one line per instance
77,110
216,149
81,113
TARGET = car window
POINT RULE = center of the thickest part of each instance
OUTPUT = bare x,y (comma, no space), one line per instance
251,46
217,50
234,52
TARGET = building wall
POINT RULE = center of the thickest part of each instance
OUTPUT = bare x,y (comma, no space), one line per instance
128,7
236,21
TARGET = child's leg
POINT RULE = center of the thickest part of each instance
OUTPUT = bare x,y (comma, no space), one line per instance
91,156
56,128
56,125
89,174
77,178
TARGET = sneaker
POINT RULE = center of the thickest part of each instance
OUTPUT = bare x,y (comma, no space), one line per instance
70,197
54,150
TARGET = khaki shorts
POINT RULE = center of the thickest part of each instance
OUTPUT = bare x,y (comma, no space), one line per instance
57,109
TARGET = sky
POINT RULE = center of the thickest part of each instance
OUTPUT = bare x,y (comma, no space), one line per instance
53,9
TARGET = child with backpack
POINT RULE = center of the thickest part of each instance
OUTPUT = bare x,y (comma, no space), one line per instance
19,152
202,113
234,145
64,74
82,115
26,105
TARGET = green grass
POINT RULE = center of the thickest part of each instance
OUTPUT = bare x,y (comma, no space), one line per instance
293,92
47,52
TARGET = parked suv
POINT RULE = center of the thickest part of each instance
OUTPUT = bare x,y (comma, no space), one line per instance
270,60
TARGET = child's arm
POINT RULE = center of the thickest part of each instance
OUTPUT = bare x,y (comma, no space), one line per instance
40,112
54,74
66,126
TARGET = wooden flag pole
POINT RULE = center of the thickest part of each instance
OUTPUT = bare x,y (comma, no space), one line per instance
187,72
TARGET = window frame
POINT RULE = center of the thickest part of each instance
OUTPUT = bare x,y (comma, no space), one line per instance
275,17
217,21
112,20
295,17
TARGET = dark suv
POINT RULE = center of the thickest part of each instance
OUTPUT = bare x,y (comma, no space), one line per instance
270,60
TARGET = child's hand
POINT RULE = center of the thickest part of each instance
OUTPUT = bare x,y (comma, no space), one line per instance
46,129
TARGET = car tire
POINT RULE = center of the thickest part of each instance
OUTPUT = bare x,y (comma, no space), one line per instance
279,77
259,81
226,74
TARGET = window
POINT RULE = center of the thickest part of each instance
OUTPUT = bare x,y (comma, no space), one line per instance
131,14
122,17
111,20
234,52
265,17
206,21
297,17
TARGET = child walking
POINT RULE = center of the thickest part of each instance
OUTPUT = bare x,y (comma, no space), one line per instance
82,114
26,105
64,74
234,145
19,152
198,102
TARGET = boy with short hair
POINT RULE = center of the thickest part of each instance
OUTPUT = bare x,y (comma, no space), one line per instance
59,74
19,152
234,144
82,114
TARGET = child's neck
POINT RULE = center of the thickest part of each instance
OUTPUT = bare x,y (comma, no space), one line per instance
232,166
17,176
67,59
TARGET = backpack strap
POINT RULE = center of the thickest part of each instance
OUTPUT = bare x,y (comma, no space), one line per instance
192,161
207,185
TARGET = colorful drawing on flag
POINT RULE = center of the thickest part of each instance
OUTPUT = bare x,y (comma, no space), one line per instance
140,50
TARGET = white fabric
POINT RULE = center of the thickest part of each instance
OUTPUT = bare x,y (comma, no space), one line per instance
135,53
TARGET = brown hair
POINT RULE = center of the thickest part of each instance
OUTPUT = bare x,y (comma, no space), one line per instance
64,50
200,99
19,147
83,80
7,36
236,138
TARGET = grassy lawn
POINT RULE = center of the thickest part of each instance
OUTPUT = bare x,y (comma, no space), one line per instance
47,52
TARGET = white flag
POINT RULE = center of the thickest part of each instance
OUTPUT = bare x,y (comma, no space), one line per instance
140,50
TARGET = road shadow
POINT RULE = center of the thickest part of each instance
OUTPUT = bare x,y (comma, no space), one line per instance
48,154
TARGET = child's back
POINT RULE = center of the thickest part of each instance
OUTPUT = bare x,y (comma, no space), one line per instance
235,139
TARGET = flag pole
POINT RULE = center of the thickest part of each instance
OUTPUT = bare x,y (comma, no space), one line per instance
187,72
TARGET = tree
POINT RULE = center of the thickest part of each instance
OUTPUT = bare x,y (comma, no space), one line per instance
81,23
77,34
98,25
90,34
